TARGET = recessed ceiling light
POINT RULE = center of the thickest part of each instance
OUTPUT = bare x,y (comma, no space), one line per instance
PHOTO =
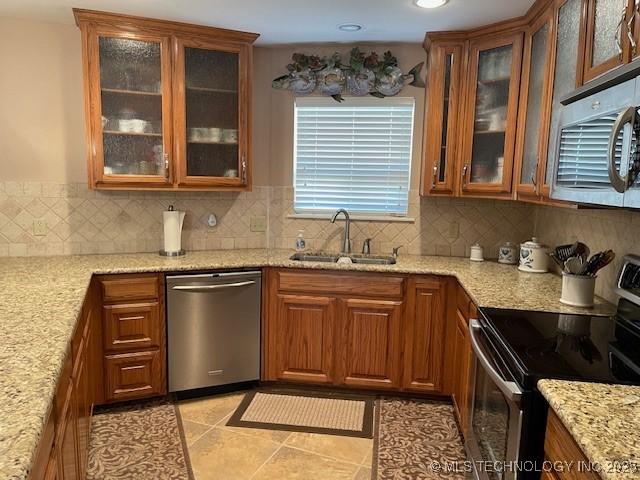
349,27
430,3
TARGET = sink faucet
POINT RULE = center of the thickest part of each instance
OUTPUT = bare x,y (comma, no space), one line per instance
346,241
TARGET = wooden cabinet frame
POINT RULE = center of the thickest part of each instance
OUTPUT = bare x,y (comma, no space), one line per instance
475,47
244,53
588,27
172,37
434,112
91,35
536,187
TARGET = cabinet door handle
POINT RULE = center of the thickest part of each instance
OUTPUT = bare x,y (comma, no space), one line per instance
435,176
166,164
634,14
244,170
464,173
618,37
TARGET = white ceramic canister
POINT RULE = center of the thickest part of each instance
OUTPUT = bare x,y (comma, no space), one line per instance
508,254
533,257
577,290
477,253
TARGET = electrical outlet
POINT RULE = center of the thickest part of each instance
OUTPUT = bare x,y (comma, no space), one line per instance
39,227
454,230
258,224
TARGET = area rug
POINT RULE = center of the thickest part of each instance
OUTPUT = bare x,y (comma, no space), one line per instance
313,412
142,441
416,440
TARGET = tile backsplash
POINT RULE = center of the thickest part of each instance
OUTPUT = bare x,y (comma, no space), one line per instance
441,226
600,229
79,220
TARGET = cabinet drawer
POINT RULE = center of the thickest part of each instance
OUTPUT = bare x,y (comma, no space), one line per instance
125,288
340,284
131,326
133,375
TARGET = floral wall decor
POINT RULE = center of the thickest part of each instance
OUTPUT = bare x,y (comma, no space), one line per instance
361,75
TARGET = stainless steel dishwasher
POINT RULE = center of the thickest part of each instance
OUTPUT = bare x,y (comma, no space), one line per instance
213,329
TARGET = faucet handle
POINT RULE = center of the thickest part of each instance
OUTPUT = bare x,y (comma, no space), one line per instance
366,246
395,250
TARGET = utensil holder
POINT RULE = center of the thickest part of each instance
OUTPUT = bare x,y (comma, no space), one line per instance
577,290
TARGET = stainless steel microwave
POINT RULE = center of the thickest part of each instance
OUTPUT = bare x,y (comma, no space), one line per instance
596,153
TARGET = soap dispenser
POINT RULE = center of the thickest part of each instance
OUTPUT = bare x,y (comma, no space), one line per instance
300,243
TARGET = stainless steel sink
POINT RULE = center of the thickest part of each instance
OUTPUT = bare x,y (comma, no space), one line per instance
333,258
315,257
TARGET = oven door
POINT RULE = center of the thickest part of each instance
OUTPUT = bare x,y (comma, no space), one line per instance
496,416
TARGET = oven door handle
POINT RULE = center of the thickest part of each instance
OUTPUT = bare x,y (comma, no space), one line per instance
511,390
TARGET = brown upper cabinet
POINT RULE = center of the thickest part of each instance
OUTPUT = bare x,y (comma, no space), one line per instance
491,107
534,109
446,59
608,30
493,94
167,104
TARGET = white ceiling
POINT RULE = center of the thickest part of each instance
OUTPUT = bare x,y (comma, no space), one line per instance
292,21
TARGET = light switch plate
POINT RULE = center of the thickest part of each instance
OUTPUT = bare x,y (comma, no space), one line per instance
39,227
258,224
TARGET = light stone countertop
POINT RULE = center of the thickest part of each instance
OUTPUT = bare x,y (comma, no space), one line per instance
603,419
41,298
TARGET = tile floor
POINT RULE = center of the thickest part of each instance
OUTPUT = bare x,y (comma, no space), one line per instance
232,453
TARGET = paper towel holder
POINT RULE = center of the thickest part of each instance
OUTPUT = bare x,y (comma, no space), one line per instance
177,253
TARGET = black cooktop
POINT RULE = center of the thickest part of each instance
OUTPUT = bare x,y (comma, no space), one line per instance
538,345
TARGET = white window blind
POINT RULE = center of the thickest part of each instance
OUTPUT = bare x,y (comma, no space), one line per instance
354,155
583,157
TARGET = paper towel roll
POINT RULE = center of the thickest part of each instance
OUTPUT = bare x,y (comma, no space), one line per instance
173,230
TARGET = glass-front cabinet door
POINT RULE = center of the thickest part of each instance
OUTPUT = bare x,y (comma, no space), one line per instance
565,78
607,43
440,139
131,109
491,115
210,124
534,108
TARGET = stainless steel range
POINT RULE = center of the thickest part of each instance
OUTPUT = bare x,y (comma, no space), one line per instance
514,349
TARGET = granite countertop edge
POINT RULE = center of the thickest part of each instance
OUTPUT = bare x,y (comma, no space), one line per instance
603,419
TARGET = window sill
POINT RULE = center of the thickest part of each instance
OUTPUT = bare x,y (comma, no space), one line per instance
355,217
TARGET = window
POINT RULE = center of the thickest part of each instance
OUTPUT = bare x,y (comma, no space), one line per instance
354,155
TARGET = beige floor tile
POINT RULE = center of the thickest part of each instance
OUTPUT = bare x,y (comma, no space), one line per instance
368,461
292,464
278,436
209,410
192,430
363,474
224,455
350,449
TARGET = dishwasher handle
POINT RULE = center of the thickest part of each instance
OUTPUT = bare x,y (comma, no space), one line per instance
196,288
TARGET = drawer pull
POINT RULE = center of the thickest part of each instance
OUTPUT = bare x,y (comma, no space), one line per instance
137,317
213,373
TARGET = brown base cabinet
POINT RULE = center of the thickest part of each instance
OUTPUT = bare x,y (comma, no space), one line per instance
561,449
460,358
133,336
116,353
304,349
369,346
358,330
